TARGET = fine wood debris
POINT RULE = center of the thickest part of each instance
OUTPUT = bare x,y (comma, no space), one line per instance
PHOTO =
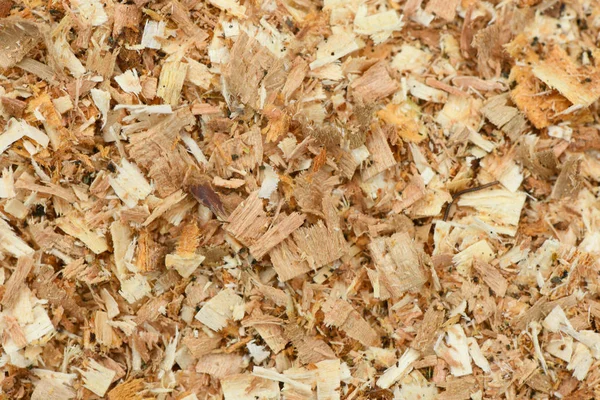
277,199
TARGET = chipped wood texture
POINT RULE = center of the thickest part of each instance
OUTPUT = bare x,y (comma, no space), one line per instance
18,37
276,234
253,69
492,277
310,248
170,82
341,314
234,199
375,84
16,282
216,312
442,8
249,387
578,84
382,157
249,220
398,263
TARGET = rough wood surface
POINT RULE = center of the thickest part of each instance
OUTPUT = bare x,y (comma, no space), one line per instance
299,199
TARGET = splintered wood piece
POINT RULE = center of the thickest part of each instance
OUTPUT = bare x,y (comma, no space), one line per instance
180,15
130,184
578,84
328,379
248,221
382,157
568,182
375,84
253,66
314,200
492,277
270,330
504,117
105,335
249,387
97,378
459,388
341,314
18,37
220,309
320,245
220,365
16,130
276,234
170,82
75,226
310,349
16,282
454,349
402,367
398,263
126,16
503,220
443,9
425,338
288,261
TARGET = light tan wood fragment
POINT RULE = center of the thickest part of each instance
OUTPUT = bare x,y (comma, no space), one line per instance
276,234
374,84
341,314
492,277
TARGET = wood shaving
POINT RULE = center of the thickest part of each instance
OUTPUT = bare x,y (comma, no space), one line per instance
234,199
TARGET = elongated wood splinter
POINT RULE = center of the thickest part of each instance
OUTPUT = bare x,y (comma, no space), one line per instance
465,191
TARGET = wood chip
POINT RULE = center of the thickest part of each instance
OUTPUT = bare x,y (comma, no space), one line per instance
276,235
227,199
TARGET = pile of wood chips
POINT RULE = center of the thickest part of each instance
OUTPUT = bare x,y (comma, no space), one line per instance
299,199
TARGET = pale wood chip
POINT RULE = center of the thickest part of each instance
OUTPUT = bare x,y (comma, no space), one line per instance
249,387
17,280
504,117
432,322
374,84
18,37
310,349
492,277
270,329
459,388
294,79
170,82
288,261
276,234
328,380
75,226
569,179
201,345
558,71
398,263
252,69
219,310
341,314
105,335
220,365
126,16
249,220
442,8
181,16
381,154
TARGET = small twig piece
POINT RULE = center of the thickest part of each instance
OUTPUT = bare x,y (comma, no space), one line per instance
465,191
